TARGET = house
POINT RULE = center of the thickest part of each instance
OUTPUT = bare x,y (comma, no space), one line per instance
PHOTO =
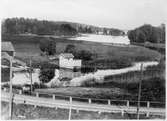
66,60
7,51
8,48
69,67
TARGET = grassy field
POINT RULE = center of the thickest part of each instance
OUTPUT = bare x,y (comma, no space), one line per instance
29,112
114,91
88,92
26,46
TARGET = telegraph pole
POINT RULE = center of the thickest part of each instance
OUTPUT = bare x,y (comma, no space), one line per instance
31,72
11,94
95,61
69,116
139,93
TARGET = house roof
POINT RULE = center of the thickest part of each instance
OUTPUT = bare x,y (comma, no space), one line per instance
7,46
67,55
5,55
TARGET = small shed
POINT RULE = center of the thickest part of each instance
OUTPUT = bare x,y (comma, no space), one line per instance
8,48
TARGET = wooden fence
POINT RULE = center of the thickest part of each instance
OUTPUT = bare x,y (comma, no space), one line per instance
128,103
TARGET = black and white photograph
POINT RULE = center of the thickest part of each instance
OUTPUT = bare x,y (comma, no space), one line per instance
83,59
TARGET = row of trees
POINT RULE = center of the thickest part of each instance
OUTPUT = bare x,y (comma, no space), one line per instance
148,33
44,27
79,54
34,26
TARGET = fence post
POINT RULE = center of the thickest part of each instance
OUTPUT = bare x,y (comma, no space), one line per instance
77,111
127,104
20,92
148,104
70,100
53,96
5,89
122,112
37,94
147,114
109,103
69,116
89,100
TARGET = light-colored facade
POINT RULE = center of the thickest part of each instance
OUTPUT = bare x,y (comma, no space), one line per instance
67,60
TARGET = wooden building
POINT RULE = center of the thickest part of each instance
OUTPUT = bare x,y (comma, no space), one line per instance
8,48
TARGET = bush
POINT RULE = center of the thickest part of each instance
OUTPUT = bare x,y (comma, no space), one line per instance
84,55
115,63
70,49
65,79
152,89
47,72
48,45
87,69
39,85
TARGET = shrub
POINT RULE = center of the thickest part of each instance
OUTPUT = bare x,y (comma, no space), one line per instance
47,45
47,72
115,63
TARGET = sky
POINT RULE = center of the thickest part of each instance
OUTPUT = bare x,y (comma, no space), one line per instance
122,14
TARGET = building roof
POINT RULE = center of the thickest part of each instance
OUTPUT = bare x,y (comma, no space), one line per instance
67,55
5,55
7,46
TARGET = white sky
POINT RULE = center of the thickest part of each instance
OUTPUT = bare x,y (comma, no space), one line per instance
123,14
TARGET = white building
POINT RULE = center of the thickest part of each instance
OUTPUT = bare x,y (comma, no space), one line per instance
66,60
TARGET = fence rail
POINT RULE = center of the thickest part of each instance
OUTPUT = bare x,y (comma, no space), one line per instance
148,104
75,105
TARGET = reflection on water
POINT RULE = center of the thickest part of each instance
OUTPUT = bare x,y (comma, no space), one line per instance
103,38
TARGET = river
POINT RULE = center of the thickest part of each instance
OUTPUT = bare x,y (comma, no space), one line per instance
103,38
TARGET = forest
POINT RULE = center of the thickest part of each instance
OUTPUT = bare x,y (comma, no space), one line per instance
147,33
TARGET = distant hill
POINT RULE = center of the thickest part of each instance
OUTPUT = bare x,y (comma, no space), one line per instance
44,27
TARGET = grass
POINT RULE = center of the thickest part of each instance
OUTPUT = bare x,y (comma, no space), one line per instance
28,112
26,46
87,92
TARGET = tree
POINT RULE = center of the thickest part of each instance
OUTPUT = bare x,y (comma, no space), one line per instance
48,45
46,75
70,49
34,26
84,55
47,72
147,33
67,29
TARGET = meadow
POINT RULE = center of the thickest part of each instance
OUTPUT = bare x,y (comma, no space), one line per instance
27,46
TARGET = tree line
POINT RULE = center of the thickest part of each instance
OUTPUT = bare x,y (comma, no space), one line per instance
148,33
34,26
44,27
